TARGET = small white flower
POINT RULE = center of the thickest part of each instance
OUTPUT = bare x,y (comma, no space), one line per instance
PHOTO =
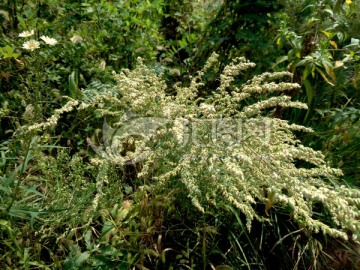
76,38
49,40
31,45
26,33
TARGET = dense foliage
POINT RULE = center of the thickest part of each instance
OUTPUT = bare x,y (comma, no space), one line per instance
136,134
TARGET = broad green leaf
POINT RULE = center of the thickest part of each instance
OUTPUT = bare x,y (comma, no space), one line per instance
324,76
306,60
353,42
329,69
21,21
306,71
88,240
8,52
280,60
81,258
7,190
107,227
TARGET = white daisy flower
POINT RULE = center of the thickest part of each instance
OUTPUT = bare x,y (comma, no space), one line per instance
49,40
26,33
31,45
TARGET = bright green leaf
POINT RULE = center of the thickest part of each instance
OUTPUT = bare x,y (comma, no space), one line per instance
327,34
306,71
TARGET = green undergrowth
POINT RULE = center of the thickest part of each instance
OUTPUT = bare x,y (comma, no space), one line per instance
146,195
123,147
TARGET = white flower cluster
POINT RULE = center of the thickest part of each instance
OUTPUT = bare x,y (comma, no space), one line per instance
33,44
231,71
179,129
53,120
257,108
142,90
238,174
270,87
261,168
207,109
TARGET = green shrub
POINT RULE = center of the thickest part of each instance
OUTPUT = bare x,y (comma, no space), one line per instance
251,159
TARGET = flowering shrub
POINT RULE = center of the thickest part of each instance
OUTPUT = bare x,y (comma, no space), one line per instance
225,148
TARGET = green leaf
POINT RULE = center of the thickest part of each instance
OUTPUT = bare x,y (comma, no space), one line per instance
309,91
110,251
306,60
306,71
313,71
327,34
73,84
353,42
22,22
329,69
340,36
87,238
329,11
280,60
81,258
324,76
8,52
107,227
